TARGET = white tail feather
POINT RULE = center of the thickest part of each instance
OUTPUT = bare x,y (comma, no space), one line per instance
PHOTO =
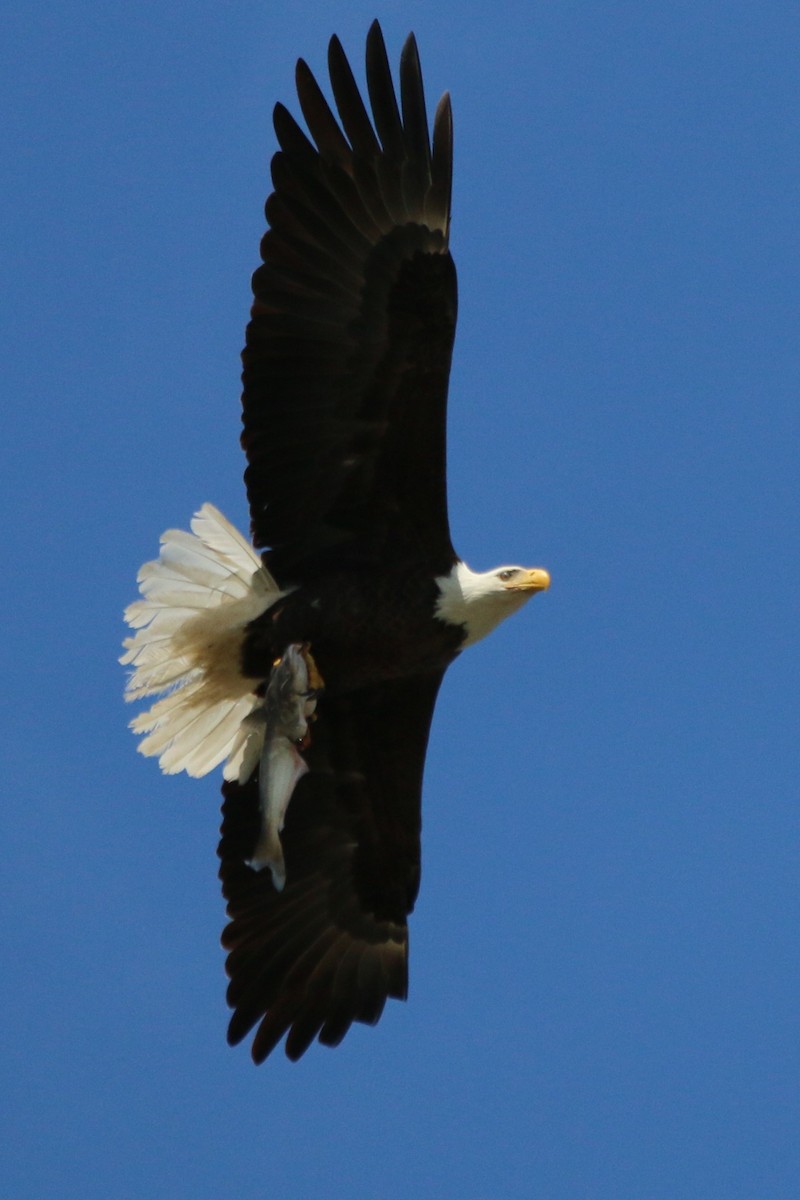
197,598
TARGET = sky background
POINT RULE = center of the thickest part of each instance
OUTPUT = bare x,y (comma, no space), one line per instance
604,976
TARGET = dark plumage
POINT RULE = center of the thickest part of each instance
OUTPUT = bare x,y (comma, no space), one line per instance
348,349
345,377
347,475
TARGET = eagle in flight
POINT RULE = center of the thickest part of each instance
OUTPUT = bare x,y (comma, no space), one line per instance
308,663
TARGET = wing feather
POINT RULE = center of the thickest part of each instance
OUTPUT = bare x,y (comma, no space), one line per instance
347,356
350,106
322,124
333,945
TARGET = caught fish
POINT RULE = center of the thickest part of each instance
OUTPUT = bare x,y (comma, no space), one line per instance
289,703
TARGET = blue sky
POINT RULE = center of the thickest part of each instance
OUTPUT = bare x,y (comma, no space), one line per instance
604,981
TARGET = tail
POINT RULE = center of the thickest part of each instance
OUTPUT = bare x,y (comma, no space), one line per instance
197,599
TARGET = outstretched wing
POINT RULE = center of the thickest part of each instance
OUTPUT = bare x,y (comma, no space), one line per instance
347,356
333,945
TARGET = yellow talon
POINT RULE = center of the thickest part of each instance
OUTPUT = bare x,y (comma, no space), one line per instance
315,680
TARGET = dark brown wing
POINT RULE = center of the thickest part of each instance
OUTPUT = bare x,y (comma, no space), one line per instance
347,357
333,945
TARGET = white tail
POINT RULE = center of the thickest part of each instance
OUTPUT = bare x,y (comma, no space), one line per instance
197,598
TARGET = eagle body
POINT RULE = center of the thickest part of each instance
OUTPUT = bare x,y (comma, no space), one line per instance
307,663
366,627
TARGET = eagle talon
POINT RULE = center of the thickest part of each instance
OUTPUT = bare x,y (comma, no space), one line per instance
316,683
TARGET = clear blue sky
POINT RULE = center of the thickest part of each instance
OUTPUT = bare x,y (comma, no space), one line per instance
604,978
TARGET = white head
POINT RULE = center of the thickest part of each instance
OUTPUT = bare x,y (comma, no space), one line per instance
479,600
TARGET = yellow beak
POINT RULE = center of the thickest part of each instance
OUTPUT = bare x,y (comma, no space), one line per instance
534,580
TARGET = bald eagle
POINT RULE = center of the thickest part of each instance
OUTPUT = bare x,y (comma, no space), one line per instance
309,666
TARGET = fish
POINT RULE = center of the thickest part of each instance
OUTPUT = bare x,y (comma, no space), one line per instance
289,703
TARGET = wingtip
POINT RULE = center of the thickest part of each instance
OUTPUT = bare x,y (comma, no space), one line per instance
376,43
302,72
335,48
409,55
